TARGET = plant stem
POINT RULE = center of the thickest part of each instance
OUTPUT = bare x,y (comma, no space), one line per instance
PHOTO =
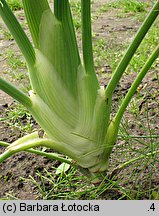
51,156
135,85
63,13
131,50
17,32
87,39
15,93
30,9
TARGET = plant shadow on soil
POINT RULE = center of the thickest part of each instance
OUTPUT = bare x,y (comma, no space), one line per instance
139,180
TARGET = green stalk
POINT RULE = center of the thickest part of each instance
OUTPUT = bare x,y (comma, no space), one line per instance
17,32
32,143
99,120
131,50
15,93
59,6
32,7
51,156
87,40
63,13
135,85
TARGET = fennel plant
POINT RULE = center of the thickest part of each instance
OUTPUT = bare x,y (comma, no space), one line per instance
65,97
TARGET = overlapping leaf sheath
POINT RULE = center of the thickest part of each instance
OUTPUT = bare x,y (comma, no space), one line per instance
64,95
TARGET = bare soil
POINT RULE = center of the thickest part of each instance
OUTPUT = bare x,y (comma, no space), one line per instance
23,165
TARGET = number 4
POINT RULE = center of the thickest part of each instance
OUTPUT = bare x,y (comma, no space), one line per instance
152,207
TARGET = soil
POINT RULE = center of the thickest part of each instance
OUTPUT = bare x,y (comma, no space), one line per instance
23,165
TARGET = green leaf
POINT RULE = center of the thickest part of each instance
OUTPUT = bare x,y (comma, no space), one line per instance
63,168
155,195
